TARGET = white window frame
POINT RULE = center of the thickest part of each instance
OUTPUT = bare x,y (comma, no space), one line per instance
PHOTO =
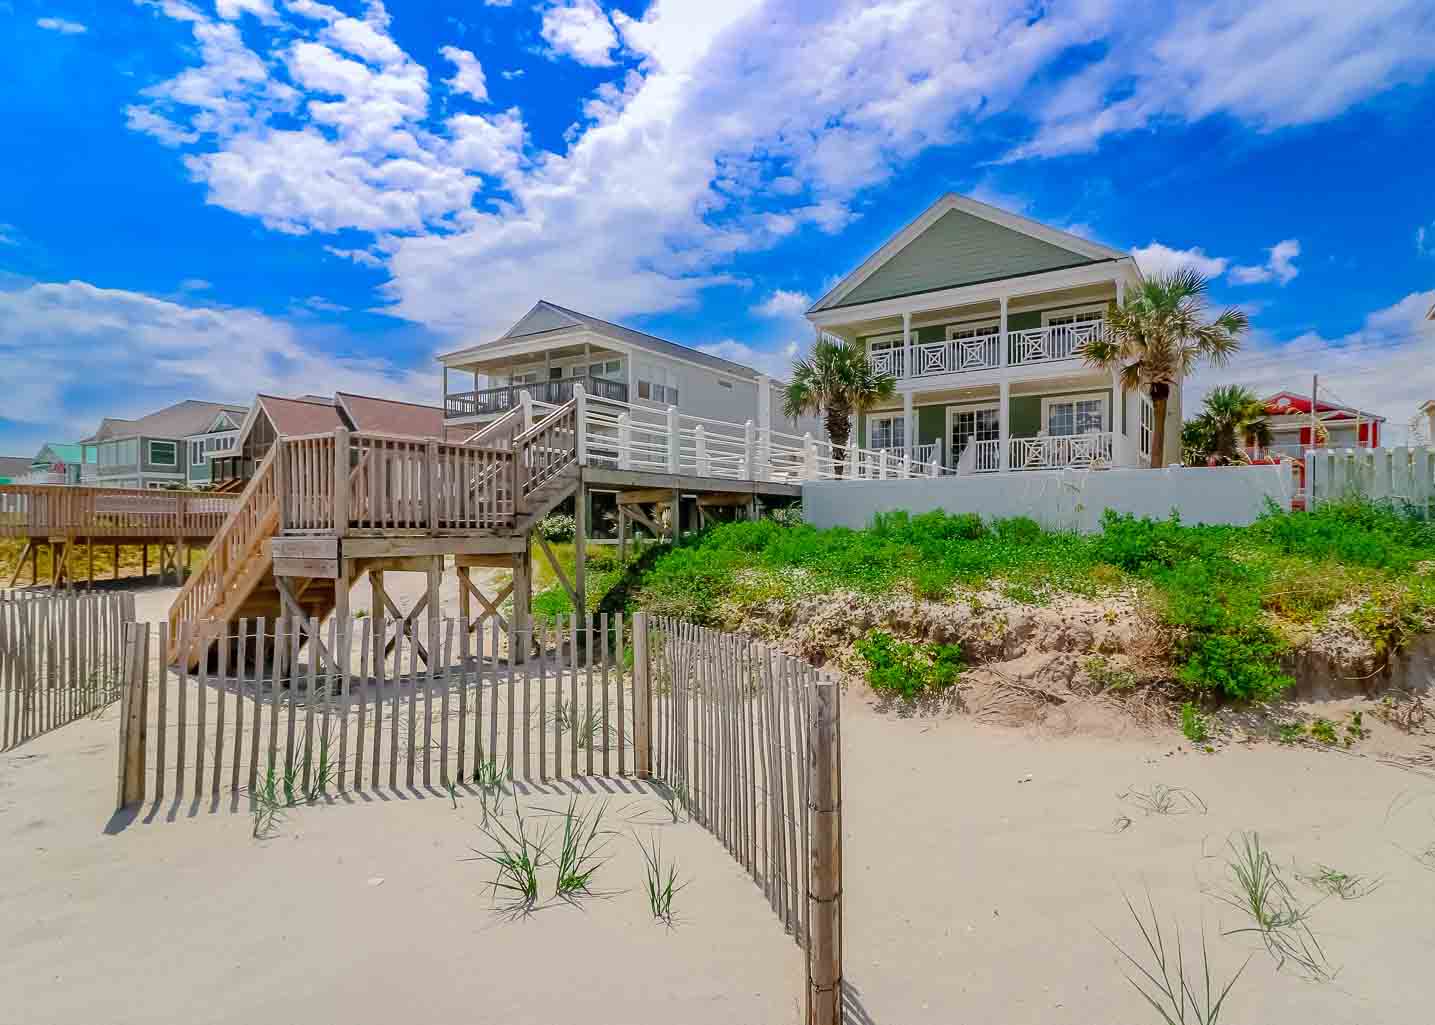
886,341
966,407
1047,401
1072,311
197,448
1146,432
979,327
150,460
887,418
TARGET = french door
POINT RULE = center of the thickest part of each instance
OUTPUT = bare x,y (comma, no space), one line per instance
979,426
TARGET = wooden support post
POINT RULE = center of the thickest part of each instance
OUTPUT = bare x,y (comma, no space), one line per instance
342,584
115,569
90,560
642,700
144,563
622,534
342,486
522,603
20,562
824,890
435,574
35,566
580,550
677,518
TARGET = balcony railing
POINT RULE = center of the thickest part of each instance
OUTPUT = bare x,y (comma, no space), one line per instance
505,397
984,352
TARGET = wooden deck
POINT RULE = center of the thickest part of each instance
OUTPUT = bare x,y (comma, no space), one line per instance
124,515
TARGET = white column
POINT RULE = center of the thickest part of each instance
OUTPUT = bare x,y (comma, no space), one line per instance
906,346
1119,421
674,441
909,425
1004,415
1120,291
580,425
1005,347
764,402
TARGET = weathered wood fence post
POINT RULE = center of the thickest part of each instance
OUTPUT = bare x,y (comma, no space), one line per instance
824,893
133,696
642,699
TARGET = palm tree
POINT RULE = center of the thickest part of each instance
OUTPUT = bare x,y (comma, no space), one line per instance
1159,334
1235,413
836,381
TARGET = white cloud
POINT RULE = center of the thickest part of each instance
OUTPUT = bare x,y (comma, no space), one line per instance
61,25
783,303
195,285
1271,65
775,362
1383,366
150,352
8,235
1425,240
579,29
362,257
1156,258
512,73
468,73
660,184
230,10
1279,266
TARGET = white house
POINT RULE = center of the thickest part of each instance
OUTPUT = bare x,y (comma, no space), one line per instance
552,349
979,314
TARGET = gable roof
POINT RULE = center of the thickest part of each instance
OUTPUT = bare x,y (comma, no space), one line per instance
192,416
1289,403
60,452
961,241
109,427
295,417
390,416
547,318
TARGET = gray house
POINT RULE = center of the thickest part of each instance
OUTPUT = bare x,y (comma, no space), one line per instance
551,349
153,451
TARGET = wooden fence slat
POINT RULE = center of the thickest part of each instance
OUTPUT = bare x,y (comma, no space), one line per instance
412,731
443,774
395,688
260,649
463,655
514,652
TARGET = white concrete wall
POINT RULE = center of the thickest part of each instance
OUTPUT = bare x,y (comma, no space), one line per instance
1060,500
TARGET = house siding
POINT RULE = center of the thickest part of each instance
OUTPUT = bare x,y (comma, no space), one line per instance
960,249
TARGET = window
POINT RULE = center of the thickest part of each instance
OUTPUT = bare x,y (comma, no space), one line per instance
1148,426
1075,414
886,432
1082,316
163,453
972,330
608,368
724,384
196,452
657,384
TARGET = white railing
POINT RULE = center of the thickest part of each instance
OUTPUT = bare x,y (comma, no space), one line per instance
624,436
984,352
1045,453
1047,344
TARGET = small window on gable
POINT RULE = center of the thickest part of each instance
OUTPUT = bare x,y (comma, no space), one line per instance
724,384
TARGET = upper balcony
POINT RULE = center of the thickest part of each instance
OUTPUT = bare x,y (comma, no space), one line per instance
984,349
555,392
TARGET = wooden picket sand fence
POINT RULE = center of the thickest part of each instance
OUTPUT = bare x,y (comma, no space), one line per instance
745,737
59,659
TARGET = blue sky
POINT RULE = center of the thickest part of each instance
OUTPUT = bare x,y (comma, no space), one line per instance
208,198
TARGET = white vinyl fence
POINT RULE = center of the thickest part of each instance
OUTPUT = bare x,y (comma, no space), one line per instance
1404,476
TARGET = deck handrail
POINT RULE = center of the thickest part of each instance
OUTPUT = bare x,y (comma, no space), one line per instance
33,510
256,506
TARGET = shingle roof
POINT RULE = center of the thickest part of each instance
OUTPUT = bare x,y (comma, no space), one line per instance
65,452
180,420
390,416
549,318
14,466
300,416
110,427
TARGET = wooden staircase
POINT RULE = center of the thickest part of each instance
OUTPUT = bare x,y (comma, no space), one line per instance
499,482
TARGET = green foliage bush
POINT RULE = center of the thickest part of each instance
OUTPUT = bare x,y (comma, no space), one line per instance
1221,587
909,670
556,527
1194,725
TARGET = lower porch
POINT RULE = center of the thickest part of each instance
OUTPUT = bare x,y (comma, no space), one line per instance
1085,420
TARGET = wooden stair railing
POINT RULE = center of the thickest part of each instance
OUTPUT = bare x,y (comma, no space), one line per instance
255,519
543,451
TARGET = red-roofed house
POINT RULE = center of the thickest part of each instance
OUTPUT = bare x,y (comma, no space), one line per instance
1336,426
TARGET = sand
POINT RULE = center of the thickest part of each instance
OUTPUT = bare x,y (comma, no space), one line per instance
983,864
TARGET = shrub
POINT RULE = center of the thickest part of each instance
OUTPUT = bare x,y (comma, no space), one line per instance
557,527
1194,725
909,670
